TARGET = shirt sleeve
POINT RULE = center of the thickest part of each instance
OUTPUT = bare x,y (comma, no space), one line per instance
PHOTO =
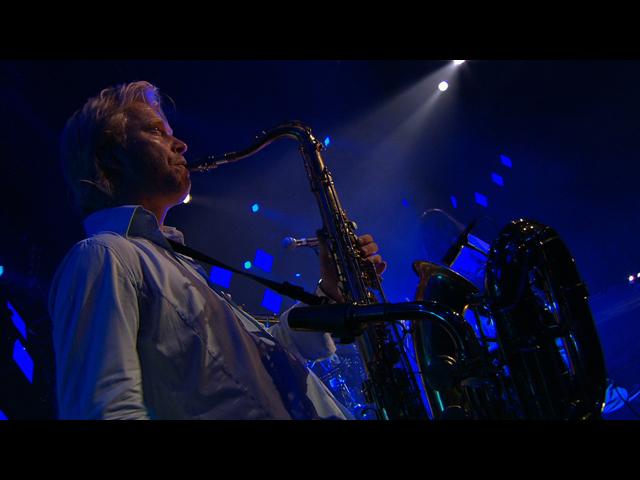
309,346
94,308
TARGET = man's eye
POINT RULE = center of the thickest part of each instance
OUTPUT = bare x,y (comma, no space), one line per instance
156,131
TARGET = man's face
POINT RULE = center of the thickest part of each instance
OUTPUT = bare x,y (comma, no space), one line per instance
154,167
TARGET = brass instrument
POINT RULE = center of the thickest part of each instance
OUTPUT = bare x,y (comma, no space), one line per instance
546,361
391,387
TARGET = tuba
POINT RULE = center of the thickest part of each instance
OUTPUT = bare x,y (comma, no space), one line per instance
533,350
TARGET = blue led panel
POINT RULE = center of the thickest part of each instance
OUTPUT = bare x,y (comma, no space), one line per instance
18,321
220,276
23,360
263,260
272,301
481,244
497,179
481,200
506,161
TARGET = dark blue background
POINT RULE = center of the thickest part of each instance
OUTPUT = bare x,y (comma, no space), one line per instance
398,148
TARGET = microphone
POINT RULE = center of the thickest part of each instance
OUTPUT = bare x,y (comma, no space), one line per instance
453,251
291,243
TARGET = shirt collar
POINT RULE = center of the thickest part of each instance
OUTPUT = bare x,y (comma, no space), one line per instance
131,221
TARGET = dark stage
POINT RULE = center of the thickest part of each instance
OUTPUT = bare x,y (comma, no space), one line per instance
414,162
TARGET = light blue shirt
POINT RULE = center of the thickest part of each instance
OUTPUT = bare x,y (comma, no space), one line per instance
139,333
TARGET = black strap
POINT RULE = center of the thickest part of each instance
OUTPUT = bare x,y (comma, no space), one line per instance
288,289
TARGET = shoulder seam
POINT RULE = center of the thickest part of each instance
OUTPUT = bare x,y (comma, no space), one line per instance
125,265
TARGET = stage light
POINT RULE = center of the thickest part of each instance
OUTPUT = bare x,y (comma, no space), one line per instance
23,360
638,275
442,86
454,202
497,179
271,301
220,276
247,265
405,202
327,141
263,260
458,62
3,416
506,161
18,321
631,278
255,207
298,275
1,270
481,200
187,198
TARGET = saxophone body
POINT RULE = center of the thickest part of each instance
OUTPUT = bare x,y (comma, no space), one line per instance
391,388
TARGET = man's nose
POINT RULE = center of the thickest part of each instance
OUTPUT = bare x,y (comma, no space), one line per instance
179,146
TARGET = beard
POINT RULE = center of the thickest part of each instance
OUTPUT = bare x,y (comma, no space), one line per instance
153,177
174,183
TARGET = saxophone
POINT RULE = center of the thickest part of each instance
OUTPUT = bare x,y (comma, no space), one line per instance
391,388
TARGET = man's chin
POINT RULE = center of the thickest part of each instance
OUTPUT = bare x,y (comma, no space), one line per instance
184,194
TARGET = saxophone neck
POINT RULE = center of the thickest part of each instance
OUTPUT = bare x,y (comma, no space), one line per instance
296,130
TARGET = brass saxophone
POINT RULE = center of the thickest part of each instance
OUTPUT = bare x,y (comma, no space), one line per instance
391,387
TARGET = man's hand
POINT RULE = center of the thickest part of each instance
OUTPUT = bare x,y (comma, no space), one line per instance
328,272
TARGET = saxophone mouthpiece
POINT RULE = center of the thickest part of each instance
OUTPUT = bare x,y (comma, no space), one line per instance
204,164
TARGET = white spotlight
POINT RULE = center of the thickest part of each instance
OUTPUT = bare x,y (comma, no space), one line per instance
187,198
631,278
458,62
442,86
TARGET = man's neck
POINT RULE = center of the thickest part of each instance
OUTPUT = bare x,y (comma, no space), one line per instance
160,211
157,207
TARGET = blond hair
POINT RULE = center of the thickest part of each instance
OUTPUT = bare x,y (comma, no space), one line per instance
89,138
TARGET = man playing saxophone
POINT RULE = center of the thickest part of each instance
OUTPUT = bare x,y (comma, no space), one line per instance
138,332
